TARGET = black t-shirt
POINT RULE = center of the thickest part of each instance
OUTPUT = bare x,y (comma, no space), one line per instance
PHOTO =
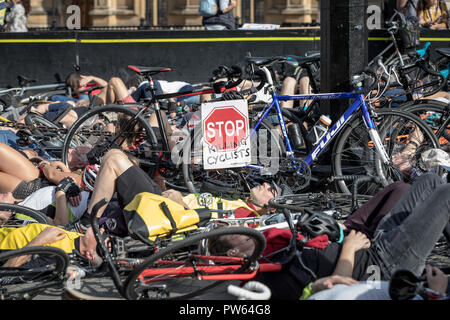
290,282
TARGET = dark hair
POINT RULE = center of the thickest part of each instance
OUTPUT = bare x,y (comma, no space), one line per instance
133,134
26,4
73,81
134,81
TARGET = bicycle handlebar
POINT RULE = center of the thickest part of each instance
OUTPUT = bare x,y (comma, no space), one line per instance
252,290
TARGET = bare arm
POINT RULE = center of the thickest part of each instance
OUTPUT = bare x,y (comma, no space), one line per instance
47,236
352,243
230,6
86,79
61,214
401,3
54,174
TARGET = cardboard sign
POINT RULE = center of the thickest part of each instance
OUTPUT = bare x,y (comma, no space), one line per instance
226,140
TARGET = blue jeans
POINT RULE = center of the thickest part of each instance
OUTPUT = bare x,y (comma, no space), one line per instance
142,92
59,97
408,233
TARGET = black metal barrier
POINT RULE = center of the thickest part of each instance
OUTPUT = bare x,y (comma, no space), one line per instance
192,55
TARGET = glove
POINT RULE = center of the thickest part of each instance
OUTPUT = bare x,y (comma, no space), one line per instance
69,187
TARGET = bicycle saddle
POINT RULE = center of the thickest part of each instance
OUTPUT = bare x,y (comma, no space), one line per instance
444,51
303,60
149,70
262,61
24,81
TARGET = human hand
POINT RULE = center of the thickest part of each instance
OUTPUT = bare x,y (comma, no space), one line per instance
60,166
233,3
436,279
173,195
69,187
329,282
75,200
84,81
356,240
49,235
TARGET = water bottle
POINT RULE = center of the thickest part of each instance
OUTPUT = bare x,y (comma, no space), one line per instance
319,129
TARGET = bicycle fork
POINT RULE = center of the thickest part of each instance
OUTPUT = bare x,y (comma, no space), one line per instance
373,133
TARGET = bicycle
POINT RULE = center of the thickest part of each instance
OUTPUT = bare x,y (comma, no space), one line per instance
19,95
363,146
99,127
404,285
20,215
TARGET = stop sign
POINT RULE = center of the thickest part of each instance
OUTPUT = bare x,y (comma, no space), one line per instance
225,128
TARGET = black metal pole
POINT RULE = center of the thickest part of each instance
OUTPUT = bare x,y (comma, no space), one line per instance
343,48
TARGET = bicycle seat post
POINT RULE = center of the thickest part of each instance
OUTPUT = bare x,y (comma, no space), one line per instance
154,100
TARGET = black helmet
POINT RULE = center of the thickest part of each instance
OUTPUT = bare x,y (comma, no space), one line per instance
315,223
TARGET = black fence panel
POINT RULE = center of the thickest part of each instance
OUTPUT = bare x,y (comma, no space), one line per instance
192,55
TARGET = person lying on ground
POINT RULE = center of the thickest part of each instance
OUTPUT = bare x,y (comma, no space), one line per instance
402,240
119,174
37,234
62,204
22,177
345,288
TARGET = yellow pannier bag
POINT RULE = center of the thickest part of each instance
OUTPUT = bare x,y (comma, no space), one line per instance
150,216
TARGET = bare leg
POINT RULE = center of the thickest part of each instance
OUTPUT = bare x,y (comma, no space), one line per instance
289,88
15,164
69,119
116,90
114,163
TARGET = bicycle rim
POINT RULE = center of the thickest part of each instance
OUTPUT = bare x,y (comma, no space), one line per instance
43,268
97,125
20,215
181,270
355,154
434,114
267,152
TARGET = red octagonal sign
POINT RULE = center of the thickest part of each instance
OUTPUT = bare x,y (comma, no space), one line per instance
225,128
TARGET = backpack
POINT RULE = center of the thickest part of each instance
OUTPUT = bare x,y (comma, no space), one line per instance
150,216
208,8
409,31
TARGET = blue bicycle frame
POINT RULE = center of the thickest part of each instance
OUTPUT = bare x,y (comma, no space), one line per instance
358,104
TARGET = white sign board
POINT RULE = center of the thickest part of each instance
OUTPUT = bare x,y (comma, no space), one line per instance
226,134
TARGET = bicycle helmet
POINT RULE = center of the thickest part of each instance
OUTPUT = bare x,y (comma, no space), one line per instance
89,176
315,223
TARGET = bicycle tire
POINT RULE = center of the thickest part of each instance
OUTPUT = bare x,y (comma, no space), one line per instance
353,154
36,121
21,213
195,143
422,108
339,205
89,117
190,246
33,276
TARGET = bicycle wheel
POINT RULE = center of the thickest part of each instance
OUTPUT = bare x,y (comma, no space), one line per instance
99,124
184,269
16,215
354,153
267,152
27,272
435,114
338,205
41,127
